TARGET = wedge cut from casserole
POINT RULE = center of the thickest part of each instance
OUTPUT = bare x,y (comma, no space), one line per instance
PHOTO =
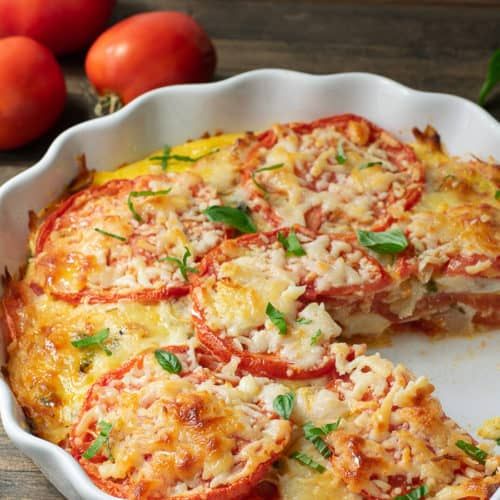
127,239
174,430
333,174
377,432
260,298
448,279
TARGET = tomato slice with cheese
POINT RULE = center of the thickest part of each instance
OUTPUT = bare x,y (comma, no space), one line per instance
126,239
333,174
461,240
243,280
183,435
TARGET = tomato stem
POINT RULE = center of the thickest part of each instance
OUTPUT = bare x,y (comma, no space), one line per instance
107,104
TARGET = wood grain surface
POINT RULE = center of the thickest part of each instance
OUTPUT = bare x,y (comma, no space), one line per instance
430,45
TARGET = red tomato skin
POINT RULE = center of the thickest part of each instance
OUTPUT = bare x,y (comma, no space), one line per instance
63,26
32,91
147,51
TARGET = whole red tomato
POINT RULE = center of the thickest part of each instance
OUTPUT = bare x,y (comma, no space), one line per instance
32,90
62,25
147,51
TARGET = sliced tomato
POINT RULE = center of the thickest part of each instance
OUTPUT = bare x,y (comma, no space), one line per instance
265,365
337,172
264,255
193,416
265,490
101,245
310,269
461,240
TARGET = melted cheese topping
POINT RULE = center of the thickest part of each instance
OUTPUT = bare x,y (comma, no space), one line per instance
77,258
50,377
179,435
208,148
315,188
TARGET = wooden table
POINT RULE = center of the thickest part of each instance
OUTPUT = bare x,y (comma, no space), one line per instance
436,46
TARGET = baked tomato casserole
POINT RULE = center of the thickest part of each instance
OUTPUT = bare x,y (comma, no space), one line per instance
194,325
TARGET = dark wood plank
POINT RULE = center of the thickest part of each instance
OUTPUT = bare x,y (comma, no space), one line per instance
435,45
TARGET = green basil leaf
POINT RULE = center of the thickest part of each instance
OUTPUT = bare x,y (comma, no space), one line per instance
340,157
182,264
93,340
234,217
415,494
168,361
497,441
143,194
369,164
291,244
311,431
106,233
327,428
303,321
315,435
393,241
315,338
473,451
264,169
492,77
100,440
277,318
497,194
167,155
307,460
283,404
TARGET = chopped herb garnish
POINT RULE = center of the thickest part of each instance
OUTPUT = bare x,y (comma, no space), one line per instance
234,217
291,244
315,338
304,321
497,441
167,155
340,156
264,169
143,194
497,195
431,286
369,164
492,77
277,318
93,340
112,235
101,439
315,436
182,264
473,451
168,361
415,494
283,404
307,460
393,241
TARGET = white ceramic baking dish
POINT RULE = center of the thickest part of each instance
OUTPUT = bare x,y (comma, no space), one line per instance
465,371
